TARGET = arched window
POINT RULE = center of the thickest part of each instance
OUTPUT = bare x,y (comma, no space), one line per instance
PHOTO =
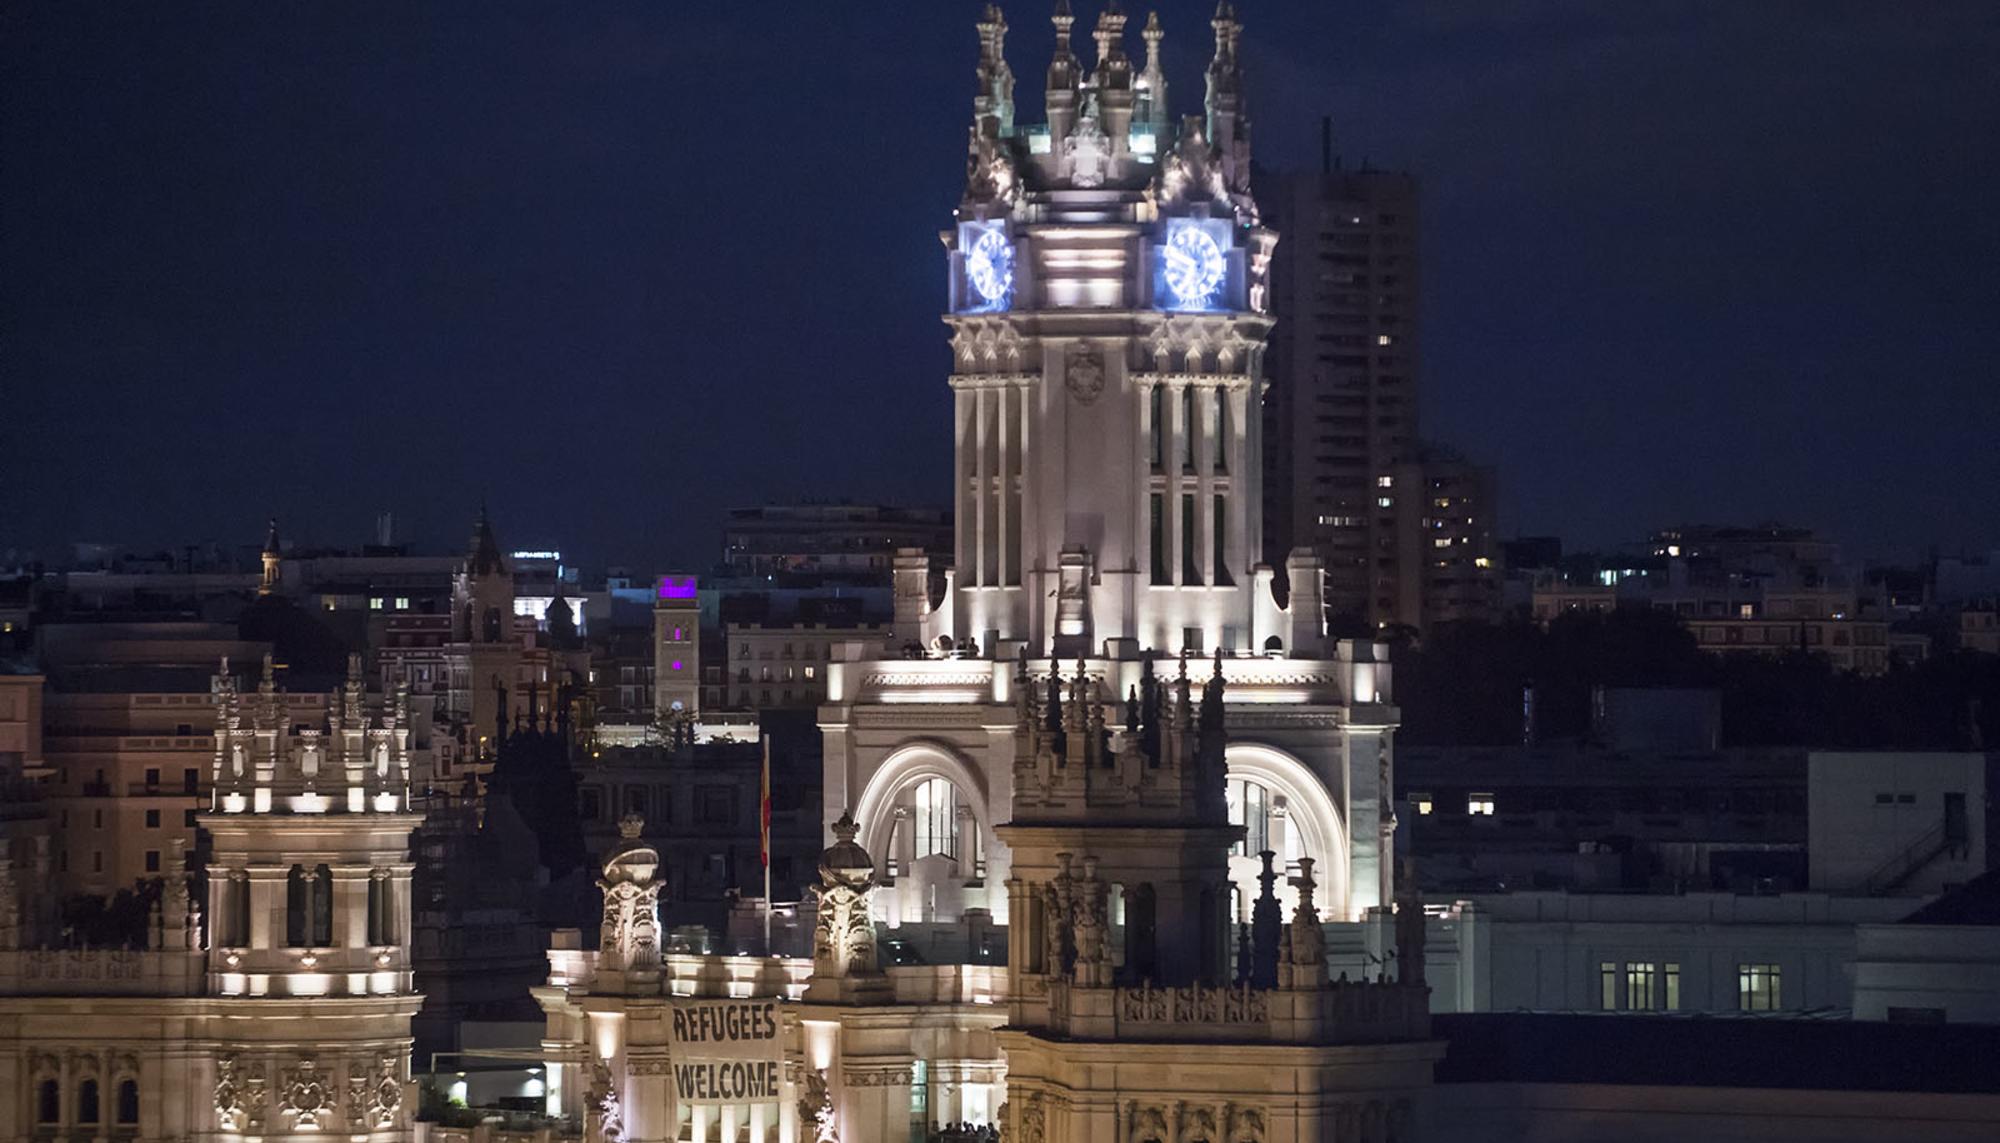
1159,441
48,1102
936,819
87,1110
1221,428
128,1103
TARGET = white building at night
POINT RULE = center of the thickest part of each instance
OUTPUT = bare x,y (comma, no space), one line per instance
1106,279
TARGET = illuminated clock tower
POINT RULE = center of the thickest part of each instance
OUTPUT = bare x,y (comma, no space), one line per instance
1108,309
1105,292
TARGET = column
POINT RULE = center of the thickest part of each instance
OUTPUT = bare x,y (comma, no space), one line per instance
1204,467
788,1113
759,1121
1002,489
981,480
350,905
1170,464
698,1116
729,1123
267,906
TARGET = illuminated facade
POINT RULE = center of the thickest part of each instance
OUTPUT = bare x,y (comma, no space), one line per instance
283,1009
1107,278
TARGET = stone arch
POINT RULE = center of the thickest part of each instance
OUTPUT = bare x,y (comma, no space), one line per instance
906,765
1310,809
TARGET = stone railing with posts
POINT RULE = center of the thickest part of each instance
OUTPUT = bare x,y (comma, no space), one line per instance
101,972
1339,1013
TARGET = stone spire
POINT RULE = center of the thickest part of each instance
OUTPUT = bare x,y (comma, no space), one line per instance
1151,85
1225,77
1112,80
1064,76
484,557
996,80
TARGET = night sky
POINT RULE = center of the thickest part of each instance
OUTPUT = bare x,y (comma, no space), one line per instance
614,267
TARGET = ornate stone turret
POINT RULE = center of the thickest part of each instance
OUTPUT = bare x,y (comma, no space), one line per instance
995,99
1111,81
1065,74
1302,953
629,934
1150,88
844,962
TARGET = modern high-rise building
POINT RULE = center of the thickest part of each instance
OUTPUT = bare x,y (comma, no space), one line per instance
1341,410
1402,527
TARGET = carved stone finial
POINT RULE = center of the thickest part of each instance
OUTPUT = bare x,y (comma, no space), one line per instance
631,826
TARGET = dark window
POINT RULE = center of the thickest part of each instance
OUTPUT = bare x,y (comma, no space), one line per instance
152,777
1190,571
1159,537
48,1102
128,1103
152,861
152,819
309,907
717,805
87,1110
190,781
589,804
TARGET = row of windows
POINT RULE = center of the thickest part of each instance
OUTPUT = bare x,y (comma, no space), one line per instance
88,1109
1646,986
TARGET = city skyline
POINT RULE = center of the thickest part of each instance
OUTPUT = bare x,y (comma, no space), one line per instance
1660,281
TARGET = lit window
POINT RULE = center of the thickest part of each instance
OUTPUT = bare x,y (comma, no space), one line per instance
1385,482
1481,562
1441,542
1421,803
1639,984
1607,985
1757,988
1746,611
1480,805
809,672
935,818
1384,339
402,603
1672,976
1385,501
1250,807
375,603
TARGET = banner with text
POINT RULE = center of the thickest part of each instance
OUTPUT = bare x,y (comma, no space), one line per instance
726,1050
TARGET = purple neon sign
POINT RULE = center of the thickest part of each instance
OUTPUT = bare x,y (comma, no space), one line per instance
677,587
677,664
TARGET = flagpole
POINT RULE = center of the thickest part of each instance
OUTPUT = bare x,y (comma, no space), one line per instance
764,837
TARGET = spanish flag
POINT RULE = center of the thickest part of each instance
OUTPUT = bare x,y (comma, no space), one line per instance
764,809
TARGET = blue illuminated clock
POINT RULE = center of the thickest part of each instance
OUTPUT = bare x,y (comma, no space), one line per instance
989,266
1192,265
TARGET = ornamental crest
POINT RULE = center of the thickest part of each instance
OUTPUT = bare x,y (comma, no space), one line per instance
306,1096
1083,372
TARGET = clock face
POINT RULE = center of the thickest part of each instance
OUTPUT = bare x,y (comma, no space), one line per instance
989,266
1192,264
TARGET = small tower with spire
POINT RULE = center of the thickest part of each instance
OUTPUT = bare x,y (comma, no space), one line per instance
273,560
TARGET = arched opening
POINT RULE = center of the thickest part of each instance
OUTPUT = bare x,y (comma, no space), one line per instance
48,1102
490,627
1274,644
924,819
1284,805
128,1103
87,1109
